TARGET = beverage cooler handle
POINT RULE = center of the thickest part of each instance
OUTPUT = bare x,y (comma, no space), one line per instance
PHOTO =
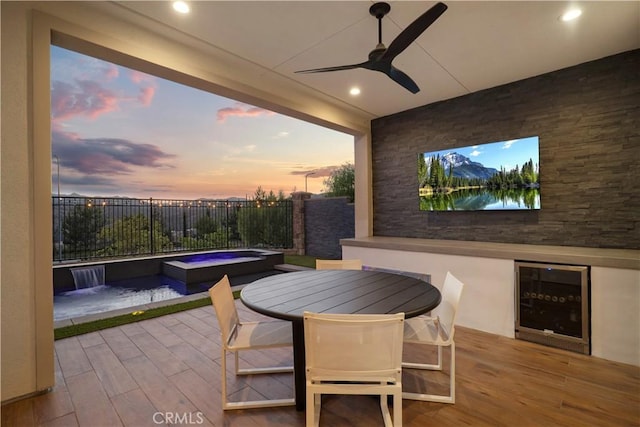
516,305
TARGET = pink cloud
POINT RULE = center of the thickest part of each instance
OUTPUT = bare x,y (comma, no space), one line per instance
111,72
147,85
87,99
139,77
241,110
88,68
92,99
146,95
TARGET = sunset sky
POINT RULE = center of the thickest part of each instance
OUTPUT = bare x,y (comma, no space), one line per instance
120,132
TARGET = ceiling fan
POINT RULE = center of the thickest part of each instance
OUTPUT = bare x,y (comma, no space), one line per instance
381,57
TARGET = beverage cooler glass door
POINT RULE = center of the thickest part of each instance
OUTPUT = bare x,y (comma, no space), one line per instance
553,302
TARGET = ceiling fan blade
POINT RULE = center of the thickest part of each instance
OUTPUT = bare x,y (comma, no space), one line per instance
403,80
380,58
413,31
337,68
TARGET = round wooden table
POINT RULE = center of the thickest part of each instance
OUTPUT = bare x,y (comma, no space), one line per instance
287,296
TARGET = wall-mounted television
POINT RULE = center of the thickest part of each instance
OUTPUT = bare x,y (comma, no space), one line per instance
494,176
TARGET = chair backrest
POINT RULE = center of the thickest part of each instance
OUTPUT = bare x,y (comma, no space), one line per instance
353,347
338,264
225,308
448,307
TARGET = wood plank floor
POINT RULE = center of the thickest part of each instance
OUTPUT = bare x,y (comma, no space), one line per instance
166,371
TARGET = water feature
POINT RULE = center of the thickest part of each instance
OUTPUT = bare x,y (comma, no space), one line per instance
88,277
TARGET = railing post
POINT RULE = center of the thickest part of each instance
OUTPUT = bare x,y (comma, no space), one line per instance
226,204
151,221
184,223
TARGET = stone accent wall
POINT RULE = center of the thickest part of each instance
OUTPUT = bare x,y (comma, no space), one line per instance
327,220
588,120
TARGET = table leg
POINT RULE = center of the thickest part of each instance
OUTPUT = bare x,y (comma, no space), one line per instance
299,364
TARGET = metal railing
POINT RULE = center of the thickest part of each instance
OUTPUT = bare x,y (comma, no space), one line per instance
97,228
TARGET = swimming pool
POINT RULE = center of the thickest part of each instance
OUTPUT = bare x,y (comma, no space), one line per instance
118,295
129,293
128,283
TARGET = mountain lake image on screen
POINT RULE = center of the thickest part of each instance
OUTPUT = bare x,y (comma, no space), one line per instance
495,176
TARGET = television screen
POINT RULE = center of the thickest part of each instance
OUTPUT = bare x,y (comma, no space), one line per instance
495,176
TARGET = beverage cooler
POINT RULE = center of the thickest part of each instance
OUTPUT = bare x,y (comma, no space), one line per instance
553,305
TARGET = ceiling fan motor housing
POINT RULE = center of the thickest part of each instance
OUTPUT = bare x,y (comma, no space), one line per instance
379,9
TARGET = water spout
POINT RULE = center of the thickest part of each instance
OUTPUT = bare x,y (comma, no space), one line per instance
88,277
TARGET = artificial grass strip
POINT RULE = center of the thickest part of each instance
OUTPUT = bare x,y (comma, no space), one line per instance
302,260
97,325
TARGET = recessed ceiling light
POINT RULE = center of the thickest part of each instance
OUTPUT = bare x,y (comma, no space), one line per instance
181,6
354,91
570,15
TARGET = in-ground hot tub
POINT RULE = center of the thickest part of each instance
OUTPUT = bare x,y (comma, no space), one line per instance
214,265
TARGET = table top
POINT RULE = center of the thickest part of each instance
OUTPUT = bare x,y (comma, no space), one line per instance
287,296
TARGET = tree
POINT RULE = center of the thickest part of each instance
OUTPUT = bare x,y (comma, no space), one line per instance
216,239
341,182
267,221
422,171
81,230
134,235
437,178
206,225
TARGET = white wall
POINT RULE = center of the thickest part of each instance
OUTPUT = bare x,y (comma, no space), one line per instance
488,300
615,314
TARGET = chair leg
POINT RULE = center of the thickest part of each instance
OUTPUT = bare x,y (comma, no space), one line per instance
314,400
452,386
429,366
236,358
223,373
397,409
313,408
226,405
317,403
452,379
384,407
251,371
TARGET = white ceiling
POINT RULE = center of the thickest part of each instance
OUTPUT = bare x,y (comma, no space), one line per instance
473,46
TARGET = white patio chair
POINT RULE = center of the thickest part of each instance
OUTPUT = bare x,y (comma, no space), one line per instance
338,264
238,336
436,330
354,354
